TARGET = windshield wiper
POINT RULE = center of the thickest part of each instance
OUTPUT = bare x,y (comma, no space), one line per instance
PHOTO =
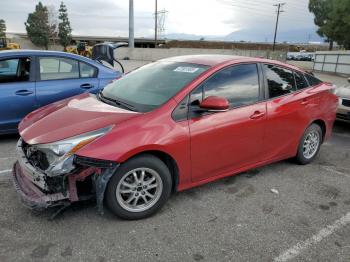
117,102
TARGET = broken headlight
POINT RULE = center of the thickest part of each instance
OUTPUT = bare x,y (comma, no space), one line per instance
59,155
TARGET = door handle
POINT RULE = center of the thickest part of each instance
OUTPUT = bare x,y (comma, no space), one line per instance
86,86
23,92
257,115
305,102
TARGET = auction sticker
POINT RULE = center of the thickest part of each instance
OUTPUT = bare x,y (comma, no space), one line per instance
186,69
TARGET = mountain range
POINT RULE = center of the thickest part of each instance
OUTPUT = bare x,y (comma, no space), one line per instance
303,35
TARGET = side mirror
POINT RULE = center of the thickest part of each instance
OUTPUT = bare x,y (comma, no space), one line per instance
349,80
215,104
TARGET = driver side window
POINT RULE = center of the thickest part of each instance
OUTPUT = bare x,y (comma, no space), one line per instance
15,70
239,84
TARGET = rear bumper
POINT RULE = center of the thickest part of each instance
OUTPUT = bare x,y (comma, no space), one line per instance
30,194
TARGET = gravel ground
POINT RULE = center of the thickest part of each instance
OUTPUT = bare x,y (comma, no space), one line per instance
234,219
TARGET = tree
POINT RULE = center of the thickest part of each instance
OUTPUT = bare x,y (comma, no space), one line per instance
333,19
37,26
321,10
2,28
53,22
64,29
340,16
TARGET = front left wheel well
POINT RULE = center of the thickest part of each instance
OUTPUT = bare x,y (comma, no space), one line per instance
168,160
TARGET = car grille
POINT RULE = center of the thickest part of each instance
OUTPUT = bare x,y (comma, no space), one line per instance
346,102
343,117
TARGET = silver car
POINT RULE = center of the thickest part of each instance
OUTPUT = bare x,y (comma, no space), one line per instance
343,112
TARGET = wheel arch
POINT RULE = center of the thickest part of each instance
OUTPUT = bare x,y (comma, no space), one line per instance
167,159
321,123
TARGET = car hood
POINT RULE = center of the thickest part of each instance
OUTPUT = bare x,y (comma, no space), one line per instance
343,92
70,117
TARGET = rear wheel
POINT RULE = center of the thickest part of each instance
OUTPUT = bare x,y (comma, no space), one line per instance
310,144
139,188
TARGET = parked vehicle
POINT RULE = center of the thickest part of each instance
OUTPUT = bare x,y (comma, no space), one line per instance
300,56
343,112
290,57
169,126
31,79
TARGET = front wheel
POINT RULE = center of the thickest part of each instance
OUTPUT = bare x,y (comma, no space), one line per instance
139,188
309,145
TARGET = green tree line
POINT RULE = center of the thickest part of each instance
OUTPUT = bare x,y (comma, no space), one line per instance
41,26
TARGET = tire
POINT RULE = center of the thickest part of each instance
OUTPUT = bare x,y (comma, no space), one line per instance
152,179
312,133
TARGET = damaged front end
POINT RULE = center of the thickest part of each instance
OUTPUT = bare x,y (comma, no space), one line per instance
50,175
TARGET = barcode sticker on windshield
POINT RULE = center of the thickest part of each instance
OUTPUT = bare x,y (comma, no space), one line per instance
186,69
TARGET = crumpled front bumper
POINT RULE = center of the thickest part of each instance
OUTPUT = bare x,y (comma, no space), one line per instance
30,194
33,186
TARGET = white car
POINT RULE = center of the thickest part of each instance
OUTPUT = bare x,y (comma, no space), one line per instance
343,112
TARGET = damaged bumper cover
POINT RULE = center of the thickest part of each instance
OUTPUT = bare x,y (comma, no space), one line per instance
35,189
30,194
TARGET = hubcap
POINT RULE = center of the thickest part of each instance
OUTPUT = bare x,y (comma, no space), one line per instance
311,143
139,189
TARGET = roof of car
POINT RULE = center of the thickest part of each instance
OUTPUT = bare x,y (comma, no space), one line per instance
213,60
42,52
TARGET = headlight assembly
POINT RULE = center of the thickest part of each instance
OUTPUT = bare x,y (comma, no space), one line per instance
60,154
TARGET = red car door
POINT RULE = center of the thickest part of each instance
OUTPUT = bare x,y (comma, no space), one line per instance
227,141
289,111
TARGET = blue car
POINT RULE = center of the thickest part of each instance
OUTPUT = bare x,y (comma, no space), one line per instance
32,79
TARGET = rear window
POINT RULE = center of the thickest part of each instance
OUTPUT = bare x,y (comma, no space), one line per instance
300,80
313,81
280,80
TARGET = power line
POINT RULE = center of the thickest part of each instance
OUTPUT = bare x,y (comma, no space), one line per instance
260,10
279,6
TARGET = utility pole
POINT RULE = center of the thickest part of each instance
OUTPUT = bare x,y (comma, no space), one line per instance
155,24
131,24
279,5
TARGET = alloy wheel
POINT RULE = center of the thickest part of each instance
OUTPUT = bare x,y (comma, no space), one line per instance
139,189
311,144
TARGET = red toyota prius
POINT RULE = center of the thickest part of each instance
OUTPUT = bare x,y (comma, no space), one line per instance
169,126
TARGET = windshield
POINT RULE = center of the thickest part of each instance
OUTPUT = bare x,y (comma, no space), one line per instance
152,85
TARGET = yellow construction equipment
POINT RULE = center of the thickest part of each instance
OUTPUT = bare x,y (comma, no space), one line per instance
5,44
82,48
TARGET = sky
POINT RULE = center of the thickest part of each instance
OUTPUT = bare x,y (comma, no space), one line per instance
209,18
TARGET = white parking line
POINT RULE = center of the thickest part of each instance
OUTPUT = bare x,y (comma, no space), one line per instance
5,158
330,169
342,135
323,233
5,171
